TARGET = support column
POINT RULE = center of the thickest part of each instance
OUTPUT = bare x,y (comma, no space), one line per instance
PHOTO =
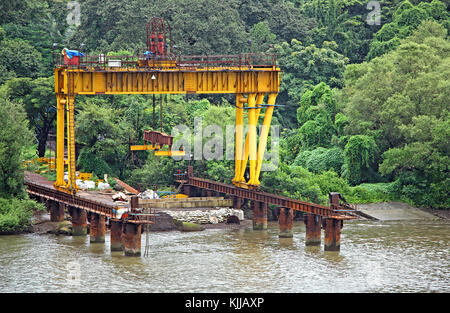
237,202
253,114
132,239
116,236
60,105
286,223
187,190
79,222
209,193
313,224
264,134
56,211
71,183
333,234
98,227
238,138
259,215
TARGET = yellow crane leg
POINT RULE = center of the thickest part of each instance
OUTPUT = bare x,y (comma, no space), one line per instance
264,134
238,140
71,183
259,101
252,137
60,106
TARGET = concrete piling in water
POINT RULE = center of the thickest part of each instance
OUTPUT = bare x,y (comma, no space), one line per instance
313,224
286,223
56,211
116,236
333,226
332,234
79,222
131,237
97,228
259,215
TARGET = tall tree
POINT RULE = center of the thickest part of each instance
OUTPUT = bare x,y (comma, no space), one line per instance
38,98
14,138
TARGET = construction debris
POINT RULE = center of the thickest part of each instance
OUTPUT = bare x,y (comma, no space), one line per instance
86,184
103,186
148,194
120,196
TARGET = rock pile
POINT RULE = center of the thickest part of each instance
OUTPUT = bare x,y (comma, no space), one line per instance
209,216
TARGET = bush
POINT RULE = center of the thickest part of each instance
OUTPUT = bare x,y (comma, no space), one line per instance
367,193
320,160
15,214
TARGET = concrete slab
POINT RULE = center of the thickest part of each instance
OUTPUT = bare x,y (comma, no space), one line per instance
390,211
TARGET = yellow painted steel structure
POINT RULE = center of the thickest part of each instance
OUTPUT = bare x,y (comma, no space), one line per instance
249,83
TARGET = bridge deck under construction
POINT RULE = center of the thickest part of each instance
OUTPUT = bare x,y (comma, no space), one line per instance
336,210
127,218
38,185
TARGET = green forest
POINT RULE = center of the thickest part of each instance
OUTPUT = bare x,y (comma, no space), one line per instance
364,102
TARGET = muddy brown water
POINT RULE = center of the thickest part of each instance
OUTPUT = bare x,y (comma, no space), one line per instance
375,256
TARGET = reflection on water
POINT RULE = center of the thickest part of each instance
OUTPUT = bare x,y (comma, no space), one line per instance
406,256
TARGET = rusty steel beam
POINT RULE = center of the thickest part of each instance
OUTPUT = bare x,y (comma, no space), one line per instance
269,198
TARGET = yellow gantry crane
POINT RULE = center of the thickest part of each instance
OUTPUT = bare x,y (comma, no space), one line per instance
157,71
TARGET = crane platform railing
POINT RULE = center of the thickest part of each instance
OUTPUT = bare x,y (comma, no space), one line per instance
143,61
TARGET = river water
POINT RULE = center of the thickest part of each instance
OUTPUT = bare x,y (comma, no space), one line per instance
396,256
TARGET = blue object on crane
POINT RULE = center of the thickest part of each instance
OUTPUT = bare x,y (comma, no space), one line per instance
73,53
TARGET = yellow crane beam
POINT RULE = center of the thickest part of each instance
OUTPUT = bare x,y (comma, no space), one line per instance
170,81
250,84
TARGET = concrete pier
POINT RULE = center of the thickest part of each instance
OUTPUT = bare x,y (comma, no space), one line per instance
332,234
286,223
259,215
131,236
313,224
79,222
116,236
97,228
56,210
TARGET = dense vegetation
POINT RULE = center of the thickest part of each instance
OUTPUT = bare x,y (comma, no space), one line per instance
15,136
365,107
